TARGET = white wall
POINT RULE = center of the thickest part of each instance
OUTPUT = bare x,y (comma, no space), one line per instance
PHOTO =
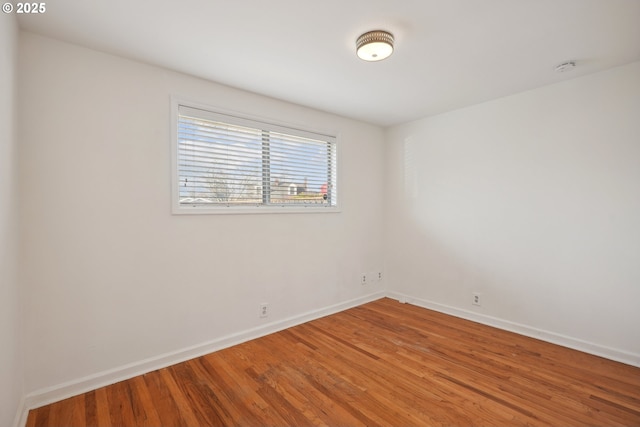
533,200
111,277
11,367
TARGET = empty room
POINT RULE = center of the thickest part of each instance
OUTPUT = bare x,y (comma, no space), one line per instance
331,213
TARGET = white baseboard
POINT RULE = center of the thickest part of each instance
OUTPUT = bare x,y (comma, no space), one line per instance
552,337
82,385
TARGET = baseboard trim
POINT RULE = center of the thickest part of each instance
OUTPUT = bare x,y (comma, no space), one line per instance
72,388
551,337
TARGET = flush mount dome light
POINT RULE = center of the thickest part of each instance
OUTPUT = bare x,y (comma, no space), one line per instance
374,45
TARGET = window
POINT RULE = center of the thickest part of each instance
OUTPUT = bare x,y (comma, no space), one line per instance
225,162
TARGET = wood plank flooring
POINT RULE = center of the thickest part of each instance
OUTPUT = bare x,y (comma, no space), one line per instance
379,364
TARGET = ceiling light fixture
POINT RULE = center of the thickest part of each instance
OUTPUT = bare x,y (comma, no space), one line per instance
375,45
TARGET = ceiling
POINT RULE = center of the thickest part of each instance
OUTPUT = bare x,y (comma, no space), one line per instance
449,53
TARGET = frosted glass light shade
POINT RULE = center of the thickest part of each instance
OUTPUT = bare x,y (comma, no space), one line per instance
374,45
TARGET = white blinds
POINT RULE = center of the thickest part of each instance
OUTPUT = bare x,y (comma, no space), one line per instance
230,161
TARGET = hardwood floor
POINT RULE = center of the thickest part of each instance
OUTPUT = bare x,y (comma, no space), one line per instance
383,363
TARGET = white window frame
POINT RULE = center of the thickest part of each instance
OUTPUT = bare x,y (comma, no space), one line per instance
251,121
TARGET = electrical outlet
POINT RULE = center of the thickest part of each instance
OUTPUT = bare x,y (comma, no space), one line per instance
363,279
476,299
379,276
264,310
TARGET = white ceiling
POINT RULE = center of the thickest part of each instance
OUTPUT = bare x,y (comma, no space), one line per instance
449,53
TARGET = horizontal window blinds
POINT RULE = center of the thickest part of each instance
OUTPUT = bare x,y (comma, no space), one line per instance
230,161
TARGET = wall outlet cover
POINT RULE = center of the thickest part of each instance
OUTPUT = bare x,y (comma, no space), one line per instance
477,299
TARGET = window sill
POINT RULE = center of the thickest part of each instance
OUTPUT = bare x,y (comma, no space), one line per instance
251,210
